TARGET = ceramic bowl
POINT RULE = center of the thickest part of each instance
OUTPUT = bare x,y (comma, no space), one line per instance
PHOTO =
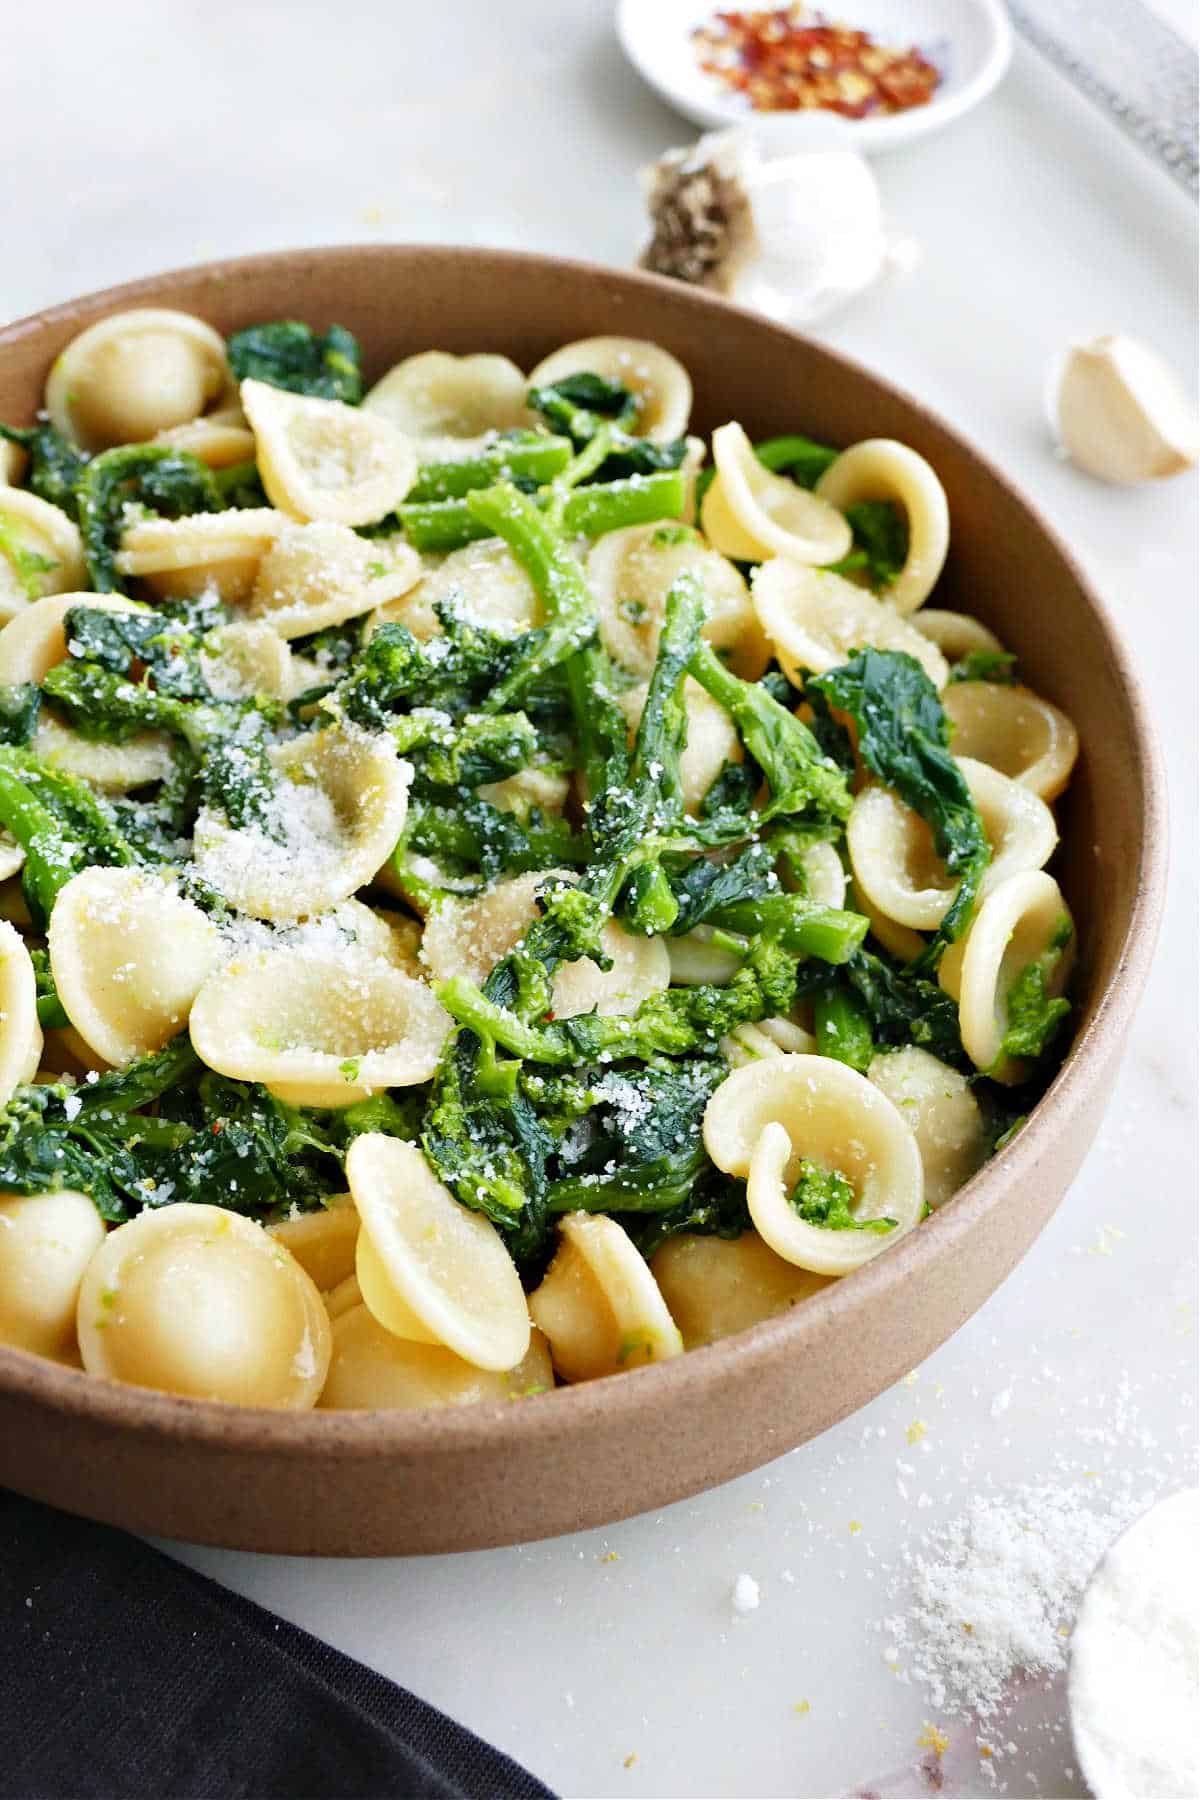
381,1483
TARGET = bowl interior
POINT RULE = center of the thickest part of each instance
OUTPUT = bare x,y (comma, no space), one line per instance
1005,567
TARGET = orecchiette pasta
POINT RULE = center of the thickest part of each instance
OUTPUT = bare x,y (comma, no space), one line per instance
322,1242
429,1269
372,1367
956,634
658,381
767,1120
750,513
338,814
135,374
41,551
897,868
220,439
882,469
630,574
129,955
599,1305
699,961
942,1113
448,404
20,1030
318,1027
199,1300
1025,922
317,575
36,639
750,1043
248,658
1016,732
222,551
816,620
716,1286
46,1243
319,459
12,463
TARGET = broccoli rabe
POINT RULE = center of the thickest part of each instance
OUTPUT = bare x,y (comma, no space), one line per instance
289,355
903,736
824,1197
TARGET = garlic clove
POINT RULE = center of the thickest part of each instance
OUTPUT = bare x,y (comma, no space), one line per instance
790,236
1121,414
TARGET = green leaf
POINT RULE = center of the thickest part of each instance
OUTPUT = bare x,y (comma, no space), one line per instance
903,736
289,355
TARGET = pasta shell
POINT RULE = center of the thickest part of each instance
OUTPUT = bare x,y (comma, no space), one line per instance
20,1032
942,1113
599,1305
198,1300
485,583
469,938
374,1369
46,1243
318,1027
220,439
956,634
247,659
630,573
898,940
817,620
134,374
129,955
882,469
751,514
1015,731
319,459
527,790
897,868
1014,926
322,1241
314,576
339,813
430,1269
659,381
751,1043
697,962
345,1296
182,557
716,1286
449,404
766,1117
113,768
712,739
41,551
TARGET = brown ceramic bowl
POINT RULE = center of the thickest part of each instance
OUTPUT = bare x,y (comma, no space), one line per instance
380,1483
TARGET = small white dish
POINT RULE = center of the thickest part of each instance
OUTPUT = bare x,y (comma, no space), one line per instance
969,41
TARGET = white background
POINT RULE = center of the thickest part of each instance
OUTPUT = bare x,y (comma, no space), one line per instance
149,133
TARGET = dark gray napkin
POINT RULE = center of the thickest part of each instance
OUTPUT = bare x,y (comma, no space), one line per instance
123,1675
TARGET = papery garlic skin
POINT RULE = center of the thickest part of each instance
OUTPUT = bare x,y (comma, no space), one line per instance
1121,414
790,236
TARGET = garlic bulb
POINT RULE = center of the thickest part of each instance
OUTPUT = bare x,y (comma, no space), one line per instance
1120,412
789,236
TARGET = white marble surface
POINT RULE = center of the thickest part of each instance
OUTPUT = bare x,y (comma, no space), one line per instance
148,134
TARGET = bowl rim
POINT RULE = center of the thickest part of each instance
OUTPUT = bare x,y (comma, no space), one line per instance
635,1396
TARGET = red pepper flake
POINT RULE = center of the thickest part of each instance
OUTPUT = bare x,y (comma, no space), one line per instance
788,59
